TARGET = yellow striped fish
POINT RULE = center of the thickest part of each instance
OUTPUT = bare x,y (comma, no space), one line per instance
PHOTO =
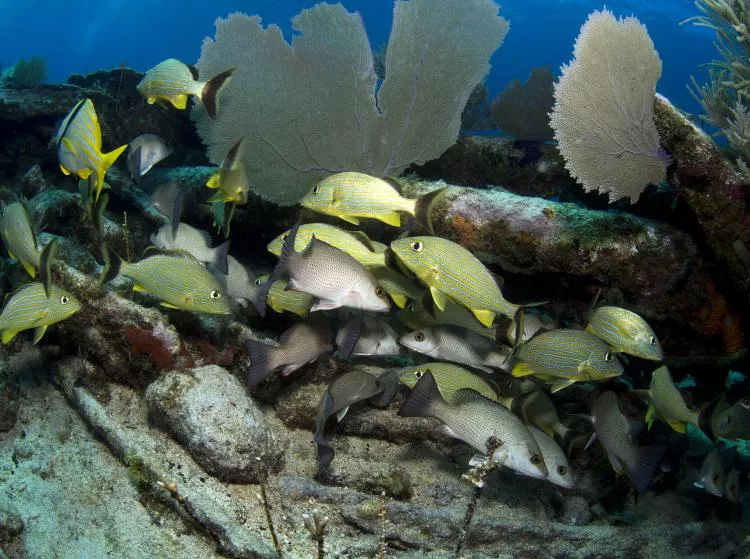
178,279
79,146
452,273
174,81
29,307
450,379
666,403
416,317
626,332
18,236
399,288
354,243
230,181
563,357
351,196
280,299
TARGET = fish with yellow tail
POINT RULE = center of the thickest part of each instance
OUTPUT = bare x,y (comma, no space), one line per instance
450,379
175,277
175,81
626,332
79,146
18,237
230,181
351,196
666,403
354,243
452,273
30,307
563,357
281,299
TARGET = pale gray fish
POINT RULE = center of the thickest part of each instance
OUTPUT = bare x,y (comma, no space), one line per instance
302,343
239,283
535,407
346,390
558,467
196,242
144,152
617,434
531,325
169,199
329,274
479,422
367,336
453,343
732,485
712,477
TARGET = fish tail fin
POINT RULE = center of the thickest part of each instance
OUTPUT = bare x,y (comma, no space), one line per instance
108,159
261,361
350,335
219,258
423,398
287,250
645,465
259,299
112,265
211,91
45,265
424,206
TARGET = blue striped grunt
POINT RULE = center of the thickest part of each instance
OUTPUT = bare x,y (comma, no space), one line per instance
563,357
79,146
175,81
281,299
626,332
399,288
351,196
354,243
230,181
19,238
450,379
452,273
666,403
178,279
29,307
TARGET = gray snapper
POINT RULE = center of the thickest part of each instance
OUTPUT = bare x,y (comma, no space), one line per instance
144,152
194,241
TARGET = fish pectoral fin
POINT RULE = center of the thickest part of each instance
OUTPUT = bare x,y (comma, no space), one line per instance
399,299
558,385
179,101
169,305
219,196
679,426
522,370
9,334
69,146
477,460
341,414
84,174
484,316
325,305
30,269
447,431
39,332
592,439
151,100
617,464
287,370
391,218
138,288
650,412
214,181
349,219
441,300
64,170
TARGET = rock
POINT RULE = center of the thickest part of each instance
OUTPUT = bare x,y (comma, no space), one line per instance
9,396
575,511
207,410
34,182
11,523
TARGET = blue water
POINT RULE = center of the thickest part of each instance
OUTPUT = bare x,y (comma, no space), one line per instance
82,36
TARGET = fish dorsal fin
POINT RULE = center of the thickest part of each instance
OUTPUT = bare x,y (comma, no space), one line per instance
594,301
499,280
466,395
71,117
397,186
176,253
45,265
232,154
362,237
193,71
91,111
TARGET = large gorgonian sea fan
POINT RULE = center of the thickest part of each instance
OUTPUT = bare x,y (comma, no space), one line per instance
312,107
603,116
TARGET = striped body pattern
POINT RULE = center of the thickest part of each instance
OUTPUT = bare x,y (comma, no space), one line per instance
281,299
450,379
571,354
399,288
170,80
29,307
452,272
667,403
18,236
351,196
415,316
180,281
339,238
79,145
626,332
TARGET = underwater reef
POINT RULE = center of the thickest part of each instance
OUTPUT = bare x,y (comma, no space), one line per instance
144,417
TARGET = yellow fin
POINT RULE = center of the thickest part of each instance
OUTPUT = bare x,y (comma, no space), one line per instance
560,384
650,416
64,170
439,297
678,426
399,299
169,305
151,100
219,196
8,335
391,218
13,256
522,370
69,146
214,181
139,288
84,174
179,101
29,269
484,316
39,332
349,219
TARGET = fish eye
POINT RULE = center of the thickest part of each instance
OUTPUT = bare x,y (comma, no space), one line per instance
285,236
64,300
608,356
215,294
410,308
536,459
380,292
258,282
562,470
419,336
417,246
419,374
746,402
652,341
316,189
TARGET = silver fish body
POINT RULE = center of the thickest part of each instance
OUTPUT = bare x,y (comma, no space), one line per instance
558,467
194,241
479,422
19,238
238,283
712,477
453,343
375,337
144,152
